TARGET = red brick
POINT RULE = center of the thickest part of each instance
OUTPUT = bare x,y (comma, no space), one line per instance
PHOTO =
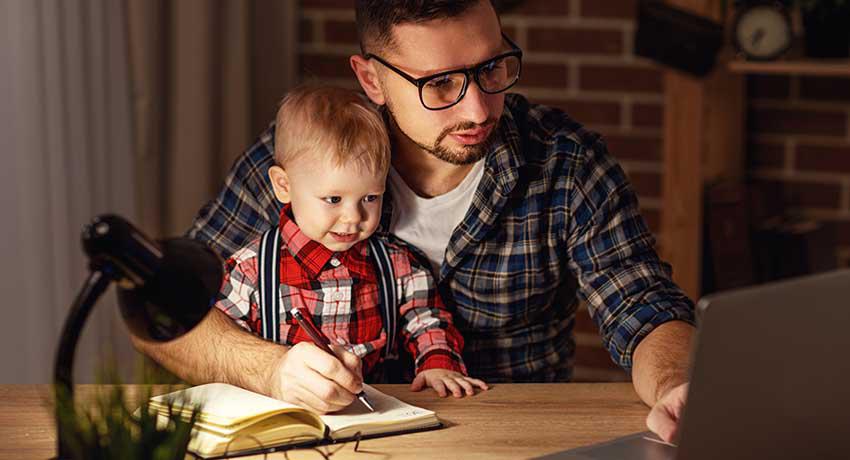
540,8
645,184
826,89
589,112
318,65
768,87
624,147
575,41
767,156
344,32
345,4
794,121
809,194
305,31
827,159
544,75
620,78
614,9
647,115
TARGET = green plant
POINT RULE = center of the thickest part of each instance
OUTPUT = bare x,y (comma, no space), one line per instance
110,428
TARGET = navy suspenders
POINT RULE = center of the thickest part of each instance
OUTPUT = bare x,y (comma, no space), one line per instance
269,283
386,293
269,288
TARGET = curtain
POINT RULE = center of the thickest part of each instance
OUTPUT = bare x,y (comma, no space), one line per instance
207,76
133,107
65,134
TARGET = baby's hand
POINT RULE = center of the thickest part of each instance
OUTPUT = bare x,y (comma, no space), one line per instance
444,381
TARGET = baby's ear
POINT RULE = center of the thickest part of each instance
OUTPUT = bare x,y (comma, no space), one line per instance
280,184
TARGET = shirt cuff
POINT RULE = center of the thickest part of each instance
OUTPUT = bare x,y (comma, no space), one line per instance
441,359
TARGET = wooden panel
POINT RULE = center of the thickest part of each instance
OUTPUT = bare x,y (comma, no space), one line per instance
703,141
725,124
681,210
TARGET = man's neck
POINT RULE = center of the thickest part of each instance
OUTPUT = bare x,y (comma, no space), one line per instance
425,174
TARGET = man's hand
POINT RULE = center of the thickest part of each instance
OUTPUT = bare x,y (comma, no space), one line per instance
664,417
444,381
307,376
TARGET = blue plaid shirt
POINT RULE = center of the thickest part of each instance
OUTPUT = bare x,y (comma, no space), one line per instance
554,219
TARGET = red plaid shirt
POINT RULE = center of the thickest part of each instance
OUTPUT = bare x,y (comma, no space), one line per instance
340,292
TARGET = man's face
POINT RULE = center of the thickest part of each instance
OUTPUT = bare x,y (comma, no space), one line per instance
337,206
461,133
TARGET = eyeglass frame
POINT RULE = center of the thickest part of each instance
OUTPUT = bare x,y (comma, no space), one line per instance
315,446
467,71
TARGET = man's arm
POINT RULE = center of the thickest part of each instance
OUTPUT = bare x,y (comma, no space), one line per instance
645,319
206,354
629,291
661,360
217,350
660,376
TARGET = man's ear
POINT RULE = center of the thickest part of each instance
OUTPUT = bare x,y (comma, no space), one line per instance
280,184
367,75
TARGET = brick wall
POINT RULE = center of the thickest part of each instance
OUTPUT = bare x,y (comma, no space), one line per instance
799,135
578,55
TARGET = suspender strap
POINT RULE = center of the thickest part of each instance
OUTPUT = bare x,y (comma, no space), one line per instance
387,293
269,283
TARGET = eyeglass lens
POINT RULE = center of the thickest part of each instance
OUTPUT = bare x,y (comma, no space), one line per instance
493,77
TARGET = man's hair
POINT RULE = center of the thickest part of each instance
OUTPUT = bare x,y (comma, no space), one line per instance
334,123
376,18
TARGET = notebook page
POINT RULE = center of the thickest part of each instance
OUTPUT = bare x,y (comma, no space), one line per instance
388,411
224,404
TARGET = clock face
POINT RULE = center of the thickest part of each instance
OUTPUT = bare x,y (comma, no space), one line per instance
763,32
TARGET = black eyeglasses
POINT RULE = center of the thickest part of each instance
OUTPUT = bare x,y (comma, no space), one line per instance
308,451
445,89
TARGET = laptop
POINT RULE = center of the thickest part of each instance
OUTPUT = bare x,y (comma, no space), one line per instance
770,378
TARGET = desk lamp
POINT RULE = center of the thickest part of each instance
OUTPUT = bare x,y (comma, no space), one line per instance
165,289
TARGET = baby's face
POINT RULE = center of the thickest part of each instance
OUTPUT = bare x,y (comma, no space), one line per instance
336,206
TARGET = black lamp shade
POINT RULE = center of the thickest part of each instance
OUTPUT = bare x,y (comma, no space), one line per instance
166,288
178,295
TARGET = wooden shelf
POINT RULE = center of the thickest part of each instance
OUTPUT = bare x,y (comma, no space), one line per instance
811,67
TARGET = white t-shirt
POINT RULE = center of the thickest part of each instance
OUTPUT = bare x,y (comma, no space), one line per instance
428,223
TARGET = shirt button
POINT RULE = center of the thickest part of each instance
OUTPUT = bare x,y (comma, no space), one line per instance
335,262
338,296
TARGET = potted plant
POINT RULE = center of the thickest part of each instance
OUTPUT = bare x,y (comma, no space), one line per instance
112,427
827,27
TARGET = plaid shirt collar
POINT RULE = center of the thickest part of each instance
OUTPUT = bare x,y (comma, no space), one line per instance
503,171
313,257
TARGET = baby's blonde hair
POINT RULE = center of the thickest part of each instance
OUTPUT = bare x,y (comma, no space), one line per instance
332,122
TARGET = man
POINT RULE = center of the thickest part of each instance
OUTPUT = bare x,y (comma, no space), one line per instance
517,207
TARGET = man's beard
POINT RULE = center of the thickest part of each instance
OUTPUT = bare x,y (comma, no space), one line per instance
465,155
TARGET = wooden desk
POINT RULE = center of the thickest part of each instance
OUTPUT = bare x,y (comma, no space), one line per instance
509,421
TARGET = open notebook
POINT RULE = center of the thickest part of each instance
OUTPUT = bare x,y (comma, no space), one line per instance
249,421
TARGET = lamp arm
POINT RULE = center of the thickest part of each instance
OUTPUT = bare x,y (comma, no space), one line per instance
94,286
